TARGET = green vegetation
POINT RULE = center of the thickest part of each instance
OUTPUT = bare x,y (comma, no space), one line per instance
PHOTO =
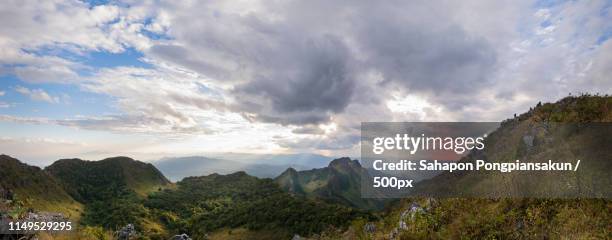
579,109
87,181
113,191
520,218
202,205
468,218
35,189
340,182
118,191
116,212
567,140
213,205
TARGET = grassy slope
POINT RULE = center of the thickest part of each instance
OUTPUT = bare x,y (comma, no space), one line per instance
209,204
520,218
243,233
38,189
551,141
112,191
86,179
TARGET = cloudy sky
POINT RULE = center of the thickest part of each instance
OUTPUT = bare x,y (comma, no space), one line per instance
164,78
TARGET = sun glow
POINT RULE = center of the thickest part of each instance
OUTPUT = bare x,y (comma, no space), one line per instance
411,104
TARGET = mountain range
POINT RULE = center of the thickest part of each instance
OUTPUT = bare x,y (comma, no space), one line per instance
324,203
259,165
114,192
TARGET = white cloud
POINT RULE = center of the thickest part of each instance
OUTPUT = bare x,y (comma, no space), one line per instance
33,31
2,93
168,100
37,94
5,105
72,25
226,66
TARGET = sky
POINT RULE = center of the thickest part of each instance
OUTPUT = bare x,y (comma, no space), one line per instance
152,79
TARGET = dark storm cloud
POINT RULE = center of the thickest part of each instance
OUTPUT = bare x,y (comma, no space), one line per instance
436,58
293,67
296,118
318,82
312,130
422,60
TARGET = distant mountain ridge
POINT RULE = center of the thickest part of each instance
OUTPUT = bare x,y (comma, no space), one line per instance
117,191
178,168
259,165
339,182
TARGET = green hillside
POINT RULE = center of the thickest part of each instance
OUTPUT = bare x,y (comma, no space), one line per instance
34,188
204,205
340,182
554,133
90,180
118,191
112,191
519,218
324,203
